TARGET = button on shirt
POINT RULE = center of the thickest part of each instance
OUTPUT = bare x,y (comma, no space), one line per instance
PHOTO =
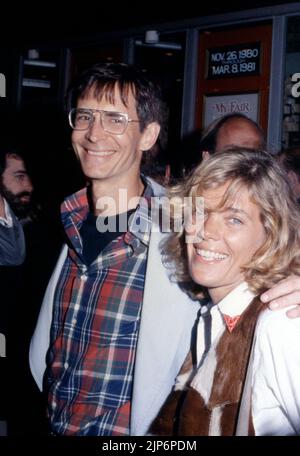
95,327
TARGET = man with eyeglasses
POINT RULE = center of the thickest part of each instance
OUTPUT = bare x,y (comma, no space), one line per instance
113,327
111,297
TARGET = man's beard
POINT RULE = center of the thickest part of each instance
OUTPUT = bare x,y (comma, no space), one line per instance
20,208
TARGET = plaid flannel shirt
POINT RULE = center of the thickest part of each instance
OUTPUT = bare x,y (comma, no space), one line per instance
95,327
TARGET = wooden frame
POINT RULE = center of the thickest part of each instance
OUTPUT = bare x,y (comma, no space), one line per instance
235,85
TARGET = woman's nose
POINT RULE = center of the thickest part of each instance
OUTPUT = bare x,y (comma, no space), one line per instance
211,226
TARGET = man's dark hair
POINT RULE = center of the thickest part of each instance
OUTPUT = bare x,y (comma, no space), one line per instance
2,162
7,151
209,138
103,78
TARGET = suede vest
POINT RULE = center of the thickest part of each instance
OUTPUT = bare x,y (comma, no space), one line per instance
185,413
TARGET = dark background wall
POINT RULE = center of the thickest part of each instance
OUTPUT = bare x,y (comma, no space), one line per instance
35,118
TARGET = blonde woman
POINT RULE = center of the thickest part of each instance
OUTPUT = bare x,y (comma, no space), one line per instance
249,242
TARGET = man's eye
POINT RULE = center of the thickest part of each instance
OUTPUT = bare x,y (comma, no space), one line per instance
83,117
115,120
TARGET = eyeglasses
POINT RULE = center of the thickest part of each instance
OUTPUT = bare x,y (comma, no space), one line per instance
111,121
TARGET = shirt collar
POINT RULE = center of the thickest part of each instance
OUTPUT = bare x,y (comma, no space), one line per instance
139,226
77,204
236,301
7,219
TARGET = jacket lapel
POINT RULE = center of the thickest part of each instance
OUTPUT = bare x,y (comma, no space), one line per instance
164,339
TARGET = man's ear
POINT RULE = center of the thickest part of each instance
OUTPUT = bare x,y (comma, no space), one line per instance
205,155
293,178
149,136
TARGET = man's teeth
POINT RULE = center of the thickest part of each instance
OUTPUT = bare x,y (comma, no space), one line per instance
211,255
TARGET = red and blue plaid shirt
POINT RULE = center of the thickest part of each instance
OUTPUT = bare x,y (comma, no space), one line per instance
95,327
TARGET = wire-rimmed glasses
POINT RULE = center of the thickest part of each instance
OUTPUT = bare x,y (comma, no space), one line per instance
111,121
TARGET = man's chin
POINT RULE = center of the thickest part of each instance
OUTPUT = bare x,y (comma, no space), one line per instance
21,210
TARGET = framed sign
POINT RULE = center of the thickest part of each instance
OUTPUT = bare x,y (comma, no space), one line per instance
218,106
234,73
235,60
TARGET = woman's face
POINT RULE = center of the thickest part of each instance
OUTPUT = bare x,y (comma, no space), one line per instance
231,236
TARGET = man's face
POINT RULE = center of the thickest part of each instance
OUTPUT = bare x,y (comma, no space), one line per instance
106,157
237,133
16,186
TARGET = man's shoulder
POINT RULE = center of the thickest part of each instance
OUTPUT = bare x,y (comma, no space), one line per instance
157,189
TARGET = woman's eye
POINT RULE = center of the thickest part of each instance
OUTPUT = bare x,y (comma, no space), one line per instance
235,221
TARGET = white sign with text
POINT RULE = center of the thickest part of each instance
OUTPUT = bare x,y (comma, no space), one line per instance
219,106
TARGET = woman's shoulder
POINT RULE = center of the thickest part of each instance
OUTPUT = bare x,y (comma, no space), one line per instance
276,325
274,317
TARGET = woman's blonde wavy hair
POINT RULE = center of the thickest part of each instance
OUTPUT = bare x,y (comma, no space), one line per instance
269,189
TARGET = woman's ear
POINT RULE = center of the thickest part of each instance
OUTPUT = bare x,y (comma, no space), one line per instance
149,136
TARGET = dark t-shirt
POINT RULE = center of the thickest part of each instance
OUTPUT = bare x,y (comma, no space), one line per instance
95,239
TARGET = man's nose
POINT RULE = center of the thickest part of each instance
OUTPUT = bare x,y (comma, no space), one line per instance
28,184
95,130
